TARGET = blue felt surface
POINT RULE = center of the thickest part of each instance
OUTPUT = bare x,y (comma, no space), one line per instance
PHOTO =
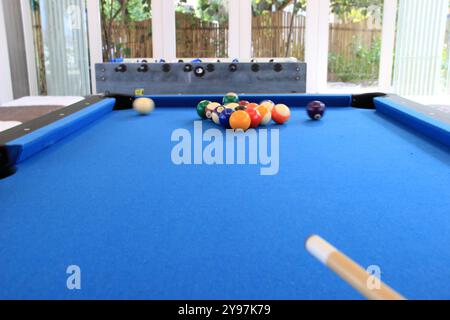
109,199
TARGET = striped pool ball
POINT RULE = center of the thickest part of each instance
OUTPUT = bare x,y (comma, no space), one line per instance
265,114
281,113
210,109
268,104
201,108
230,98
216,114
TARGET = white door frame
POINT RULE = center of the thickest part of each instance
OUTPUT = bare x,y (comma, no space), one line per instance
316,44
95,38
164,30
240,29
387,45
6,90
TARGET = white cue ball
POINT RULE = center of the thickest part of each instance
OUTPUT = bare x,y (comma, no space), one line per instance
144,105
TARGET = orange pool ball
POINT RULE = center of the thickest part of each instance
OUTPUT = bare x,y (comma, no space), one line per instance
281,113
265,114
240,120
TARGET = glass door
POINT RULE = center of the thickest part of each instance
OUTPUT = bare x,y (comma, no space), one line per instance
355,30
126,28
61,47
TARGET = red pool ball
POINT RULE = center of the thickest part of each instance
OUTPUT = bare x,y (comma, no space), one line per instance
252,106
316,110
255,117
244,103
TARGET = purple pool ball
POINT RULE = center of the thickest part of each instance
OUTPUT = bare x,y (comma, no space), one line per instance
316,110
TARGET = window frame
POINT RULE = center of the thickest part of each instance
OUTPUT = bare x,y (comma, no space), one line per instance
240,38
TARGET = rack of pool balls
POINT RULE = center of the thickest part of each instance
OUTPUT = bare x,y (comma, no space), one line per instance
237,114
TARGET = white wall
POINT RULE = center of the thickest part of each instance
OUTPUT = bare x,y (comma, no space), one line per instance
6,92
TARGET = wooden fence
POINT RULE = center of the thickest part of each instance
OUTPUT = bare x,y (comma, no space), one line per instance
130,40
354,53
202,39
270,34
344,37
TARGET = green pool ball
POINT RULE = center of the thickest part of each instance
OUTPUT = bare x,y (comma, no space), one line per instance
201,108
230,98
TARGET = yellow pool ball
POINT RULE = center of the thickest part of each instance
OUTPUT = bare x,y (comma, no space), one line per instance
144,106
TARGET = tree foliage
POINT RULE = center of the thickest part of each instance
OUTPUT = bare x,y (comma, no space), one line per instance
216,10
356,10
127,10
261,7
212,10
346,10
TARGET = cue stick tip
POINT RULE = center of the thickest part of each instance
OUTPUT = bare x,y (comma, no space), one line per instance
319,248
348,269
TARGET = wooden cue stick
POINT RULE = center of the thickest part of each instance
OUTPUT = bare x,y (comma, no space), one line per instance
348,270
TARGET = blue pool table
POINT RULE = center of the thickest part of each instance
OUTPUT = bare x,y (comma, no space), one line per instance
96,186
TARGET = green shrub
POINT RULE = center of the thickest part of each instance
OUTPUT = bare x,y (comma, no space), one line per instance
362,66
